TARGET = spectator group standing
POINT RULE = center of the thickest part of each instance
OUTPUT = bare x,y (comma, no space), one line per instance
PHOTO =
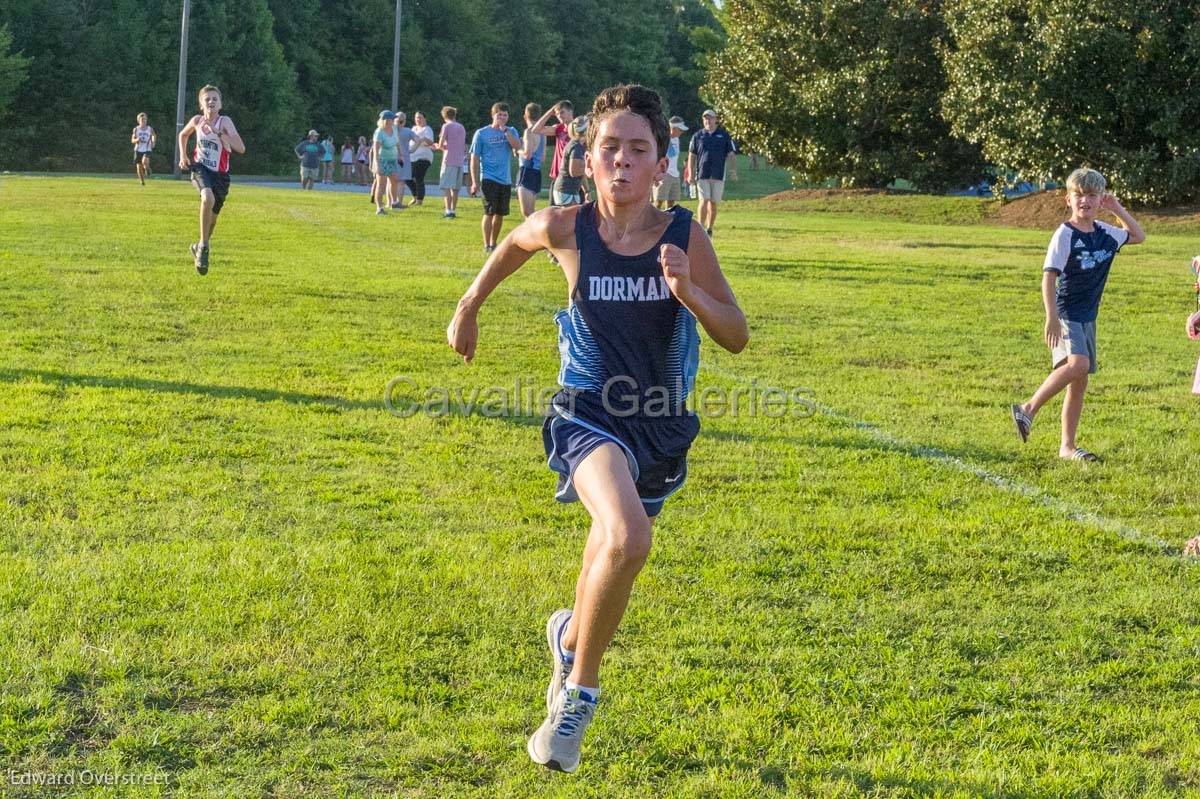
398,157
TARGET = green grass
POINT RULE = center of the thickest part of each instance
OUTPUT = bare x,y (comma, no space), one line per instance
224,561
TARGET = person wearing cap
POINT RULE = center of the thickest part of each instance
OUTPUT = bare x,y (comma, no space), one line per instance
386,148
666,192
709,152
309,151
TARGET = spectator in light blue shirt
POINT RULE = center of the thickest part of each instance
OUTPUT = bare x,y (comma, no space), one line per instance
492,150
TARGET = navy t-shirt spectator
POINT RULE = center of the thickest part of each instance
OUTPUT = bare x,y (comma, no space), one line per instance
1082,261
711,150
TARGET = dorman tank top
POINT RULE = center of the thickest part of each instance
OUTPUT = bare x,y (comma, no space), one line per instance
624,334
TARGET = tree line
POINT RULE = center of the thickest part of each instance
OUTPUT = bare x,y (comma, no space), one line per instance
945,92
74,73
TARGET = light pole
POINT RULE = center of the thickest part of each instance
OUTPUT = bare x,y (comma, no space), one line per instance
179,98
396,59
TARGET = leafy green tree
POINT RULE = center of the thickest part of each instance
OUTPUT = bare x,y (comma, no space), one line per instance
232,45
287,65
12,71
1045,86
694,35
841,89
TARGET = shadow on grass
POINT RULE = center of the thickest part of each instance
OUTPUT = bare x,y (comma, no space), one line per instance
174,387
456,410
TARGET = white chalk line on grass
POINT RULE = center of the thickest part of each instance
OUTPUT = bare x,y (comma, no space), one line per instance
1048,501
1036,495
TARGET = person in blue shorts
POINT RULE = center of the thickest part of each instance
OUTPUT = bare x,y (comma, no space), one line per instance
533,153
618,432
492,148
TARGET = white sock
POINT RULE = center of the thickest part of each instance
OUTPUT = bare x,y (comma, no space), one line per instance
592,693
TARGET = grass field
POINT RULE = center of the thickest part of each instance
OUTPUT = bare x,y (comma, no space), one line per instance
224,563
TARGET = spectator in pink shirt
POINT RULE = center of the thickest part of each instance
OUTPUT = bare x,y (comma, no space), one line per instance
452,141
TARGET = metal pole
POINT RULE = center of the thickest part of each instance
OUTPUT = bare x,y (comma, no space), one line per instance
179,98
396,60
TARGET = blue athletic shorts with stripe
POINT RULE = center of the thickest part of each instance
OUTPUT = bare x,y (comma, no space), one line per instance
655,447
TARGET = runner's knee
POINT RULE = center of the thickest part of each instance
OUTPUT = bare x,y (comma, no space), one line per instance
628,540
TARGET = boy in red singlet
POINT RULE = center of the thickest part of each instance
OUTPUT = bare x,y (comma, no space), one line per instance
216,137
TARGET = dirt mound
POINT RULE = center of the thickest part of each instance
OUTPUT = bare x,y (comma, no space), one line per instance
1047,209
1044,209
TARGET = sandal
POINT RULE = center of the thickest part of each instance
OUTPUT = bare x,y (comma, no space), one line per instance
1081,454
1022,422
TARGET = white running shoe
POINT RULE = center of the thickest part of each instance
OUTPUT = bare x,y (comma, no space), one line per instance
556,743
555,627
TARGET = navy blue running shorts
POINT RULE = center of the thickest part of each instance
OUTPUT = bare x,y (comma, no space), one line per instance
656,447
530,179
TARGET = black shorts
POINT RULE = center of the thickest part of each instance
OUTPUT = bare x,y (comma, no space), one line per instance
496,197
656,448
137,157
205,178
530,179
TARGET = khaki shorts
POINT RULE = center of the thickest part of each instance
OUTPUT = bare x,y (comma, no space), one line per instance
451,177
1078,338
667,191
309,173
711,189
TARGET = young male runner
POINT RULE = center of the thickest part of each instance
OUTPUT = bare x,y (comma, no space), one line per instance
619,431
143,139
216,137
